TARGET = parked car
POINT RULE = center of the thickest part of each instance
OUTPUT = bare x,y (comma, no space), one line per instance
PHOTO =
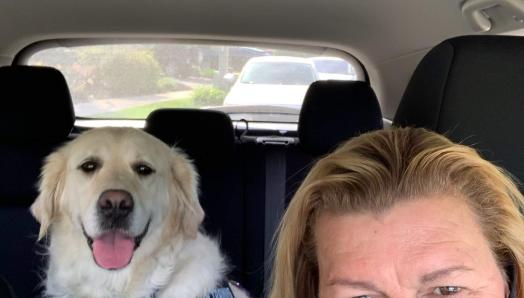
333,68
272,80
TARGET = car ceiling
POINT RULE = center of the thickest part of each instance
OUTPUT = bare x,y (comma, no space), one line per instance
388,36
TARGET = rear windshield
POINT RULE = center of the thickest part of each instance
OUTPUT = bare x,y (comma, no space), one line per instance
128,81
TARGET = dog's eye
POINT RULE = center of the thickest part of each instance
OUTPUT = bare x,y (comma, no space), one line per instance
143,170
89,166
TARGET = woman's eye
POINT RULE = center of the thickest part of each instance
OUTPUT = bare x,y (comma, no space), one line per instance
89,166
447,290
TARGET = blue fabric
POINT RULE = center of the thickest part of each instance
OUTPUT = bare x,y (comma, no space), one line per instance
221,293
217,293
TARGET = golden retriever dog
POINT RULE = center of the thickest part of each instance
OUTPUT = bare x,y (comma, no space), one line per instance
122,212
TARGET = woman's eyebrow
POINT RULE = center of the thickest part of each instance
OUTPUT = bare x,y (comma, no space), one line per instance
364,285
434,275
428,277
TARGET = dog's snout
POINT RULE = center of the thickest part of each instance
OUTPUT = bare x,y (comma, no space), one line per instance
115,203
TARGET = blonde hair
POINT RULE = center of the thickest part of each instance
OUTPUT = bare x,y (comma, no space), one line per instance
372,173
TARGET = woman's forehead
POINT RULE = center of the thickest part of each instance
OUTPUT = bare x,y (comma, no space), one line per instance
418,232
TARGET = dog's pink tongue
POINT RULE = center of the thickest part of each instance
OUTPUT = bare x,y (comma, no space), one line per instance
113,250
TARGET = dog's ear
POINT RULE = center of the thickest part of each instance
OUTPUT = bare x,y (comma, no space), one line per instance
51,184
186,178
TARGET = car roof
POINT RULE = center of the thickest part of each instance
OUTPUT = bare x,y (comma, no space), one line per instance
327,58
315,59
274,59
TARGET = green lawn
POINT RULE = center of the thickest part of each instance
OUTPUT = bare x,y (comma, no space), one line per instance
141,112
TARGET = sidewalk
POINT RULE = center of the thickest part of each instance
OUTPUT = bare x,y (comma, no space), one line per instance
101,106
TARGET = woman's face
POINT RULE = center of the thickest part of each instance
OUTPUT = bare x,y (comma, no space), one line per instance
431,247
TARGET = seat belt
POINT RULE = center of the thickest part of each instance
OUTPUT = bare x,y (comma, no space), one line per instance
274,187
275,197
275,193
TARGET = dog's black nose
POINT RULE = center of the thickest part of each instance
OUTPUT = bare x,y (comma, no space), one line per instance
115,203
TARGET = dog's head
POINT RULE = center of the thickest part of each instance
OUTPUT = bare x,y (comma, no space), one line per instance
116,186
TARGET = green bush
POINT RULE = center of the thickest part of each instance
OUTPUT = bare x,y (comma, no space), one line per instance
128,73
208,96
207,72
167,84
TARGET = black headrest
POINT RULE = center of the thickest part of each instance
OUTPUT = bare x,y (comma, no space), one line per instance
36,104
334,111
206,136
5,289
472,89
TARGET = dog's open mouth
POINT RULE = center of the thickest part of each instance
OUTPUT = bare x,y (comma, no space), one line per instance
114,249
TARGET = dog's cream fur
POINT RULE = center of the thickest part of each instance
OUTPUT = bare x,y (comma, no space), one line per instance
174,259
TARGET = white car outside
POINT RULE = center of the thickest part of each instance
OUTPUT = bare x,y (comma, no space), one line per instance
333,68
272,80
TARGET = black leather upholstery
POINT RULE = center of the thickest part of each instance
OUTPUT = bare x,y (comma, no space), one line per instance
38,117
471,88
40,107
208,138
334,111
6,291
